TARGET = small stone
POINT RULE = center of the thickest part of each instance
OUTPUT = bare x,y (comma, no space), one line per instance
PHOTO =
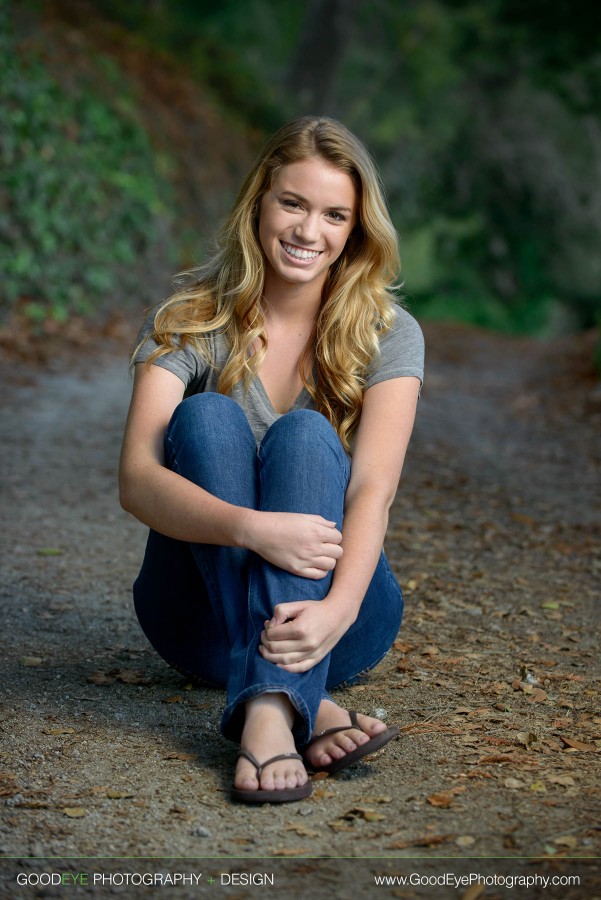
380,713
201,831
465,840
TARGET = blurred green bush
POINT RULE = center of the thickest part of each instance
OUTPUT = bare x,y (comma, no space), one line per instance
81,192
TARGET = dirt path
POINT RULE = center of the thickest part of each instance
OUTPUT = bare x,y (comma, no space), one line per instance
494,678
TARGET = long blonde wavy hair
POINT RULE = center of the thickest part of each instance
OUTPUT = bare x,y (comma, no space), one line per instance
225,293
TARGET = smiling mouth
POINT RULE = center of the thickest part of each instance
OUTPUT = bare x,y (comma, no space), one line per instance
298,253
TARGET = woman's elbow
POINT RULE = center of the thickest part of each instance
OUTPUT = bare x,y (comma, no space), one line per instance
124,498
378,494
127,492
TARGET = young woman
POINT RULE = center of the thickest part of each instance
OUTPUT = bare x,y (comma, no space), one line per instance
274,397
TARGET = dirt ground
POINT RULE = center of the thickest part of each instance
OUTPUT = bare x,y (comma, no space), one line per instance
494,678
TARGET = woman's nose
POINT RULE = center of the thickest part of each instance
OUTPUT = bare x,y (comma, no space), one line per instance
307,229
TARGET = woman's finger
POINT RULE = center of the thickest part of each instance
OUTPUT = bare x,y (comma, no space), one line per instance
313,573
283,659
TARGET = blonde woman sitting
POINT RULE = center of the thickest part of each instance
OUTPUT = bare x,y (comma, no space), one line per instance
273,401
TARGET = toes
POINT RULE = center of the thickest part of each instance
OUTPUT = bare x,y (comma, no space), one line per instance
246,779
371,726
281,778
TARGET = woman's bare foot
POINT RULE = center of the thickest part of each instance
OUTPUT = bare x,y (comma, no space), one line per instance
267,732
332,747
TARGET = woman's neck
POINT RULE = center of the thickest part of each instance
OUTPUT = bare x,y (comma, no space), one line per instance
297,304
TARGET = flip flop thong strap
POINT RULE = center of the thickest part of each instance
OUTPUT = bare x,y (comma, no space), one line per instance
354,724
260,766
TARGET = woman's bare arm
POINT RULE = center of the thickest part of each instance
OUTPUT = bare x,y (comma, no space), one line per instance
173,505
383,436
303,633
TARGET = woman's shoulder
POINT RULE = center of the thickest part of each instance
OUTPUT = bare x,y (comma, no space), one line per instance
404,336
401,349
404,324
183,354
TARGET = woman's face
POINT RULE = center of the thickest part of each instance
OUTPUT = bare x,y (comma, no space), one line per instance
306,217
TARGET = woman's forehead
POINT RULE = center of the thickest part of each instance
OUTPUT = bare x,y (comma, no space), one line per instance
315,177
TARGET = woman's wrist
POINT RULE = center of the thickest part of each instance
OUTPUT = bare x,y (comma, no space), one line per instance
343,607
244,524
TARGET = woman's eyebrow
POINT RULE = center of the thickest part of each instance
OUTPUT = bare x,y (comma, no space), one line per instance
304,200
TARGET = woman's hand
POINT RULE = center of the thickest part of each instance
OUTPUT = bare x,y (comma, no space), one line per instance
298,543
301,633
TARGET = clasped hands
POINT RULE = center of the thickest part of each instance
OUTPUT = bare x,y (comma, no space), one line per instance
301,633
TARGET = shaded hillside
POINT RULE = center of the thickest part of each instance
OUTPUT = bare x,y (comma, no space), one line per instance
117,167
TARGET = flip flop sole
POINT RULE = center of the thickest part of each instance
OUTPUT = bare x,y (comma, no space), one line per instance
286,795
375,743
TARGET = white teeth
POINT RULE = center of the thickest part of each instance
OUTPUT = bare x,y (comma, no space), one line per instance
300,254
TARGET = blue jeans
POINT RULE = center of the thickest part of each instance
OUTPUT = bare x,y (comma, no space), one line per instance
203,606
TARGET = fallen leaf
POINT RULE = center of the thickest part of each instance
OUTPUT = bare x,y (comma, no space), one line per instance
291,851
523,519
8,786
573,744
49,551
174,698
302,830
31,660
473,892
113,794
130,676
567,840
431,840
538,695
443,799
75,812
362,812
125,676
100,678
538,786
563,780
58,731
182,756
340,825
33,804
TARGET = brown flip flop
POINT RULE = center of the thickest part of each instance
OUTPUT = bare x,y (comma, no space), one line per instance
281,795
377,741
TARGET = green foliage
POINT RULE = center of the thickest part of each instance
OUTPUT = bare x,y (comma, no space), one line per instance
80,198
231,47
484,118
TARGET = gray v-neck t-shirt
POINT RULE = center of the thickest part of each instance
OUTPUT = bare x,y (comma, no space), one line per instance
401,354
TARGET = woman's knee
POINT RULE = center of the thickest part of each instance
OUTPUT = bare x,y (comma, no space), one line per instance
210,419
304,428
206,407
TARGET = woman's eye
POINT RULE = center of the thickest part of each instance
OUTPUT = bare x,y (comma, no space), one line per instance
292,204
337,216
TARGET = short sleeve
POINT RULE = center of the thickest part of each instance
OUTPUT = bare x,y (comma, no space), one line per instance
185,362
401,351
